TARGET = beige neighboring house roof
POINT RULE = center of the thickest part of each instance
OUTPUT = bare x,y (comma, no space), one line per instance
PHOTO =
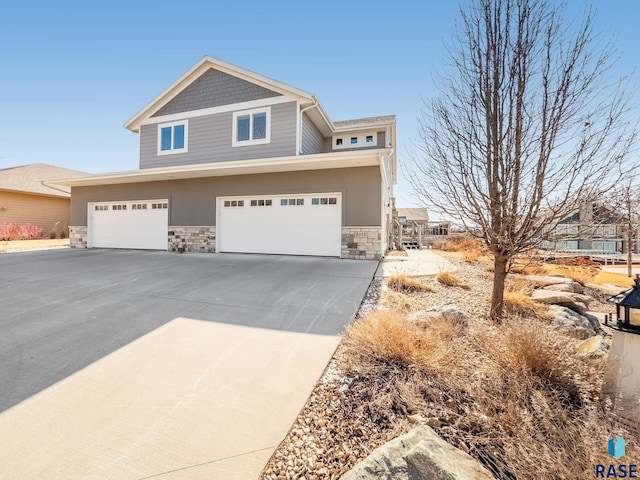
414,214
36,179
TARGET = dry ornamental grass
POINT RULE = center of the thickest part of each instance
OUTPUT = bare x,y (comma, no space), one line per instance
515,396
405,284
451,280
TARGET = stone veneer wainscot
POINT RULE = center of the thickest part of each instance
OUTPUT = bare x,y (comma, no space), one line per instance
78,237
361,243
192,239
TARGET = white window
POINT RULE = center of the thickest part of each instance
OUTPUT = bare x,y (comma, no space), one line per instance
173,137
251,127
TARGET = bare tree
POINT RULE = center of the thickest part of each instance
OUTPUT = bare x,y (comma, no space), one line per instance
527,124
625,201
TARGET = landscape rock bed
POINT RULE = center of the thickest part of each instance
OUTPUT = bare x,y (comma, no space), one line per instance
340,425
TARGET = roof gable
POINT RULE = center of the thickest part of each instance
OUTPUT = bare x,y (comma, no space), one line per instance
193,78
35,179
213,89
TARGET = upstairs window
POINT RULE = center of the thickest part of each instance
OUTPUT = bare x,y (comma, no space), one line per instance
251,127
172,137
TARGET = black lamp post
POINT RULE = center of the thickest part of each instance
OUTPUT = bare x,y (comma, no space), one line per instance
627,309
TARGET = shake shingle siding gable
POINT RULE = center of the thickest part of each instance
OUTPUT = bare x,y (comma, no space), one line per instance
312,139
214,89
210,140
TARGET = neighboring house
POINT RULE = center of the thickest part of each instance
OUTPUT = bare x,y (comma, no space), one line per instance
413,215
592,227
26,196
232,161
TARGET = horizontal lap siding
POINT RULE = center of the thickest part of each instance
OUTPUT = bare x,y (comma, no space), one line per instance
192,202
209,140
50,213
312,139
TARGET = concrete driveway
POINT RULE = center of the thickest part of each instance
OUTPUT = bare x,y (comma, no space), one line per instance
135,365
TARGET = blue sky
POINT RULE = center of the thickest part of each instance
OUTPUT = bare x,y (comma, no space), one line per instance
71,73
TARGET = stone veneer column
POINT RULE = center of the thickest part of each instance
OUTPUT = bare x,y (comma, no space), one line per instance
362,243
78,237
192,239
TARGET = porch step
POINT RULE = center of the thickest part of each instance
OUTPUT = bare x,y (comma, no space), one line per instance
411,245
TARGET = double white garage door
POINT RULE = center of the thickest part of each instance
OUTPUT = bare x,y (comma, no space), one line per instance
279,224
141,224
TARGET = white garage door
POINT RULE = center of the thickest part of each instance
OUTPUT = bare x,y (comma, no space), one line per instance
282,224
139,224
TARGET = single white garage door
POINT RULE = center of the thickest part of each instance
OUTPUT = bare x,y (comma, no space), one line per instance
281,224
140,224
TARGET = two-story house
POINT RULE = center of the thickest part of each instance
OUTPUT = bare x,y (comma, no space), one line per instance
232,161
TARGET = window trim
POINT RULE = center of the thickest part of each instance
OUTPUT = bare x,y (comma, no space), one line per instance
251,141
173,151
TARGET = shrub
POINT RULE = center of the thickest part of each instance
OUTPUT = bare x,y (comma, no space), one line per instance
389,337
26,231
405,284
449,279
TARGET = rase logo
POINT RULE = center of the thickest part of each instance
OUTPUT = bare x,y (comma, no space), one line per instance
615,448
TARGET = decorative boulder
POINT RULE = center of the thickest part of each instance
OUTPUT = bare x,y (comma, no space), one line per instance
568,321
593,347
576,302
418,455
452,313
560,287
545,280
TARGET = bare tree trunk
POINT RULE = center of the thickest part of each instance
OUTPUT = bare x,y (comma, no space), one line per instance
497,296
629,249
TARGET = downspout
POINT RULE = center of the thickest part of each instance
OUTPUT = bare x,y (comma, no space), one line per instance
315,104
387,184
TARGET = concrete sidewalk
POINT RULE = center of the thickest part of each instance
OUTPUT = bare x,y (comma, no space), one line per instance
417,263
621,269
190,400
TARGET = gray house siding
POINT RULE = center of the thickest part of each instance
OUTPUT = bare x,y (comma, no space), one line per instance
213,89
192,201
209,140
312,139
